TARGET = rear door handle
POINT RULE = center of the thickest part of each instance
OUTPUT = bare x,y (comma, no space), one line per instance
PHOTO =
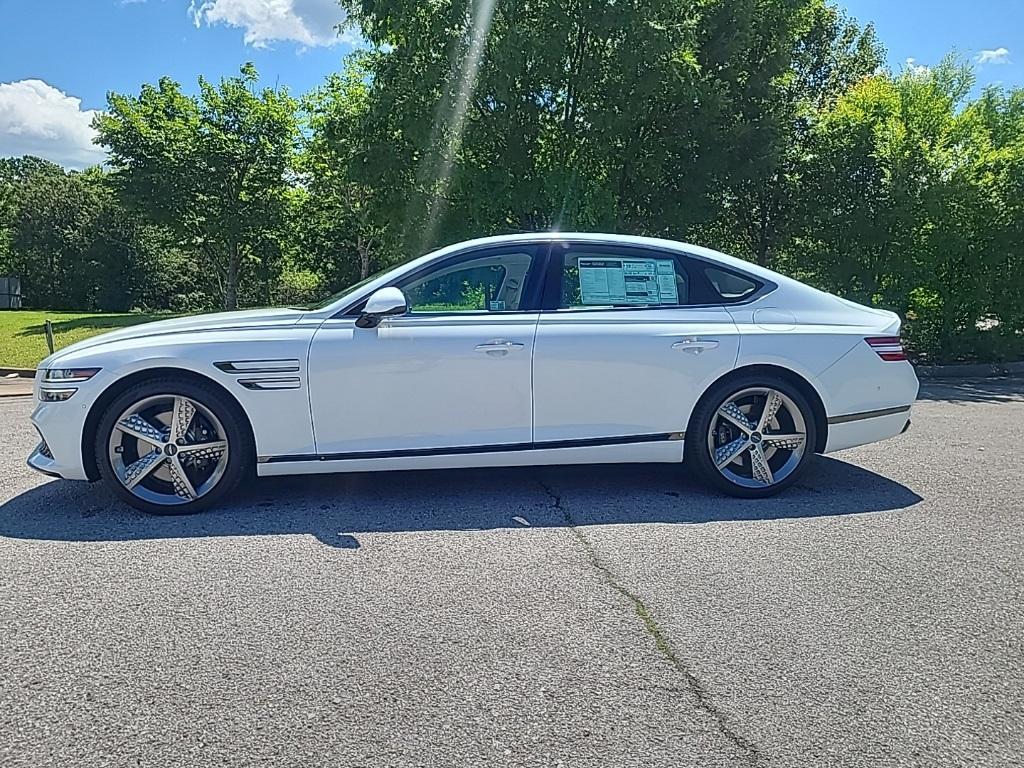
498,347
695,345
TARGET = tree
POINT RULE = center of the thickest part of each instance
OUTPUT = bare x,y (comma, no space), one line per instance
828,53
912,203
15,172
582,114
212,169
76,247
51,238
346,227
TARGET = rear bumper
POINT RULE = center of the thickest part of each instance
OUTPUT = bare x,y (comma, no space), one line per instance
866,427
866,398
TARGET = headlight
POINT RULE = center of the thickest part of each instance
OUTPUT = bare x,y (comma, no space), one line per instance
69,375
48,393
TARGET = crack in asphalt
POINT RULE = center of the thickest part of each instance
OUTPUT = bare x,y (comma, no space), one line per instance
694,686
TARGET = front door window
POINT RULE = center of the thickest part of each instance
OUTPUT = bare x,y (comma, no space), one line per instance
494,282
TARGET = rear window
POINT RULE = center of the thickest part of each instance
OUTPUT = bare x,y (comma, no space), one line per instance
730,286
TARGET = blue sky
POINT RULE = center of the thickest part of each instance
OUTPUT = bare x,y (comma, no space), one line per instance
926,30
58,58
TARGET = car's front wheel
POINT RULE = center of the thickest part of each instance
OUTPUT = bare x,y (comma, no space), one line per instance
172,446
751,436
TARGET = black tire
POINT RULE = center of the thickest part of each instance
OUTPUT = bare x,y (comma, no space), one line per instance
240,456
698,457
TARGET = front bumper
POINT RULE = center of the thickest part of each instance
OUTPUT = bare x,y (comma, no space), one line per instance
41,460
60,425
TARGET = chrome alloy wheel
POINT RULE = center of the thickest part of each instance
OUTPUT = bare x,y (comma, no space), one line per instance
757,437
168,449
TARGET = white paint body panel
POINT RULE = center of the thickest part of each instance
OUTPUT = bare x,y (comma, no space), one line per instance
623,372
854,385
864,431
279,418
418,382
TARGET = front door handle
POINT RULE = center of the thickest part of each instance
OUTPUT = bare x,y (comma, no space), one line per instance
498,347
695,345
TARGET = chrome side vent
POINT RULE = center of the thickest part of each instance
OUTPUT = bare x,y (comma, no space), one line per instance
259,366
290,382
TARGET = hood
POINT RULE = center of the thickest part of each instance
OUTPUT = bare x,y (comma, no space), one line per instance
215,321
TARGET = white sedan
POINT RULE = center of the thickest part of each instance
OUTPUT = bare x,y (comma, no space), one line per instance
518,350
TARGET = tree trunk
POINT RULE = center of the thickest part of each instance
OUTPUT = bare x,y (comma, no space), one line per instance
364,257
763,244
231,284
265,269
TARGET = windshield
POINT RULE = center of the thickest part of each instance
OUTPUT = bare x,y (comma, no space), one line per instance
345,291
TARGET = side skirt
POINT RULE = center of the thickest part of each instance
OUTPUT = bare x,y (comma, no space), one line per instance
660,449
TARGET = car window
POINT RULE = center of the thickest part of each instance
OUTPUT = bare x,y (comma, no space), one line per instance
730,286
490,283
603,278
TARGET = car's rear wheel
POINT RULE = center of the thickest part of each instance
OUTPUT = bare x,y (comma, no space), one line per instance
172,446
751,436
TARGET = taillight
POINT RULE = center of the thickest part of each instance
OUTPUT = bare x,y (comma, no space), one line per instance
888,347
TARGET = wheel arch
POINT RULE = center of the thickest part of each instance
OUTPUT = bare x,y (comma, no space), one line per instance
108,396
801,384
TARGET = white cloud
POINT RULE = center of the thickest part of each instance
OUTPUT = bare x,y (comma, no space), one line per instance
994,56
37,119
919,70
309,22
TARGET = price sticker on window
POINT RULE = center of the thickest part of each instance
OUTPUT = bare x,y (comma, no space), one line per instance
605,282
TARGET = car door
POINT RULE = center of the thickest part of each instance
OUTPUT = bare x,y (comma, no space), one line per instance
628,341
453,372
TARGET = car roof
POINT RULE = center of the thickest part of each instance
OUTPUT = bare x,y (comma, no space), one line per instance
619,239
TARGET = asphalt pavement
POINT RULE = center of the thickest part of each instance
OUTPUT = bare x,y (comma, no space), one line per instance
609,616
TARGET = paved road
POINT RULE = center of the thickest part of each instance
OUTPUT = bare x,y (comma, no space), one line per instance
871,616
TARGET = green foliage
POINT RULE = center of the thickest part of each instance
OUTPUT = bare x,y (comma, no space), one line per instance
211,169
74,247
911,200
767,128
344,226
299,288
769,142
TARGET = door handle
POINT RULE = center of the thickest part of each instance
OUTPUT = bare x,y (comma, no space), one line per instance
695,345
499,347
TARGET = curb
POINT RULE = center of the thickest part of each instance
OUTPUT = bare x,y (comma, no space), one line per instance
17,387
970,371
26,373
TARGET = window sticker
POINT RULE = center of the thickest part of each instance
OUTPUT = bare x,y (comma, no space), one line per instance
628,281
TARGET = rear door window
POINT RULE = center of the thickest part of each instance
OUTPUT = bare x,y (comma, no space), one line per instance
606,277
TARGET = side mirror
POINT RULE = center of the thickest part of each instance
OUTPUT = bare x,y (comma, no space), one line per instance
381,304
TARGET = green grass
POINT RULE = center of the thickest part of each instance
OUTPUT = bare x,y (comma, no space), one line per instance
23,341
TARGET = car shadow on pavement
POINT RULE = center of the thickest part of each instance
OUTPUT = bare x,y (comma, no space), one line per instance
335,508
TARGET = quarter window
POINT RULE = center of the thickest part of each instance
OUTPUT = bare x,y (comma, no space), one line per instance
730,286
